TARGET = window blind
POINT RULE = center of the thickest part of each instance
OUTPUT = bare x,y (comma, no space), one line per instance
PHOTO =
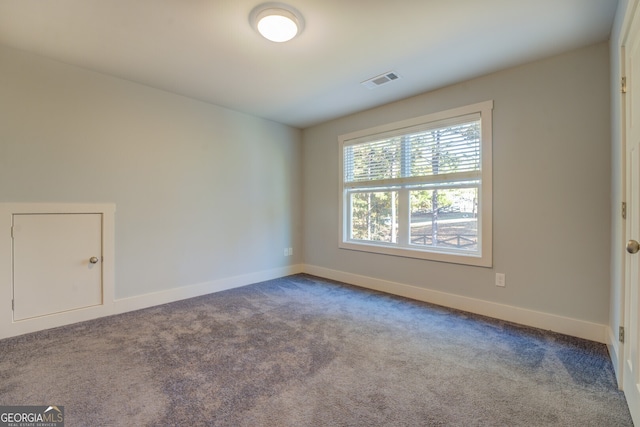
451,149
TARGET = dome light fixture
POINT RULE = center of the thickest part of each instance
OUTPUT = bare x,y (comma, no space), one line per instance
277,22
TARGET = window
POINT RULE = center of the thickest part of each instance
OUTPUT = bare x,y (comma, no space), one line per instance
420,188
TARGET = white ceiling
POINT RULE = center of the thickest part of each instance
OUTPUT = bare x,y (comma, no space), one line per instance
206,49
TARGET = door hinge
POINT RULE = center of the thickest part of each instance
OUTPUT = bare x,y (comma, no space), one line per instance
13,305
621,334
624,210
623,85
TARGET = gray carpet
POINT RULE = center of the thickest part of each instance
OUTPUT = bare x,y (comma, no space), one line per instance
303,351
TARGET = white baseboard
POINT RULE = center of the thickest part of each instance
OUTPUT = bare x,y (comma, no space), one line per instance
564,325
138,302
10,328
615,352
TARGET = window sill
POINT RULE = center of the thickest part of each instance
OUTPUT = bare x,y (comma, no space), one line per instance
453,257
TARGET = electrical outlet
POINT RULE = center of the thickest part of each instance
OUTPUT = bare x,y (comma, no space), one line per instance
290,251
286,252
500,280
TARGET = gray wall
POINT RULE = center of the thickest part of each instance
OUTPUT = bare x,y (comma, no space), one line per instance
184,216
552,178
201,192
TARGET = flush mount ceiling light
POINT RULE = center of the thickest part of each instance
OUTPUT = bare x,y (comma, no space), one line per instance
277,22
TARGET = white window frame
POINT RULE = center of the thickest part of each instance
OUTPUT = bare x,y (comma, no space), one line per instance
483,257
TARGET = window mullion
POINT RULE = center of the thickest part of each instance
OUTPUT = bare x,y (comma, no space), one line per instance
404,217
403,193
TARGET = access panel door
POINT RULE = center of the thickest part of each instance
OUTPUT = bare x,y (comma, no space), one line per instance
57,263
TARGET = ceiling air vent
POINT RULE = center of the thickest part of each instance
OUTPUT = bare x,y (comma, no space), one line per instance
380,80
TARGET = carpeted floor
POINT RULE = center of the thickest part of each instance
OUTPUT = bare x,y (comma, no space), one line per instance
304,351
